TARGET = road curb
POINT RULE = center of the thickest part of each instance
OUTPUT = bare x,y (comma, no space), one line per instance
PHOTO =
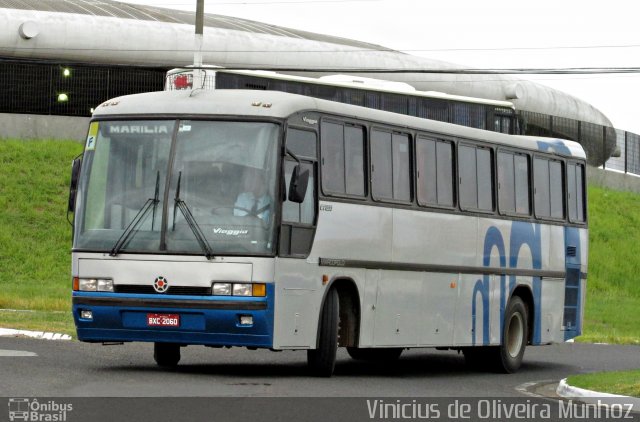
10,332
594,397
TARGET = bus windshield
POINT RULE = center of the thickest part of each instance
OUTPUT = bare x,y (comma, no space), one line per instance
152,175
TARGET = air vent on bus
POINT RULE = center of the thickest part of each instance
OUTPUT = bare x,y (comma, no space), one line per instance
173,290
256,86
571,251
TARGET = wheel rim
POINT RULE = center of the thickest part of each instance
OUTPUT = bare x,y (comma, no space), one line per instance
515,333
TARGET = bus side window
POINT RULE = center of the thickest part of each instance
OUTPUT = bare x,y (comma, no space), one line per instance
342,154
303,143
575,192
434,172
476,178
513,183
390,166
548,188
304,212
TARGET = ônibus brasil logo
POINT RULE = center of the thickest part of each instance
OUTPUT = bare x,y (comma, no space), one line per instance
32,410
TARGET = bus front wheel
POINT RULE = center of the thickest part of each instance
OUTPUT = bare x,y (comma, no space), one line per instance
166,354
322,360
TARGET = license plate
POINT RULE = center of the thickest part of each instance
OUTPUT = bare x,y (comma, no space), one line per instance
163,320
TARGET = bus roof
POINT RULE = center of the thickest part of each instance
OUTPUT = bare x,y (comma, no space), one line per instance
280,105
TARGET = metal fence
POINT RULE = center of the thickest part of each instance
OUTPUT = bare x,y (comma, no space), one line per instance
75,90
604,145
57,89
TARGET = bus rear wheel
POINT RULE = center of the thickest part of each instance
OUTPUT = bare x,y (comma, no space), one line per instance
322,360
383,355
166,355
508,356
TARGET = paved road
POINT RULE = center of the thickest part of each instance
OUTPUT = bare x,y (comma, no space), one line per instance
74,369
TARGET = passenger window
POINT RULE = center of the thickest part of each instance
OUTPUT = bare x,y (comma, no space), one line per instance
476,178
575,192
354,160
332,145
390,166
401,168
343,159
381,165
548,188
513,183
434,172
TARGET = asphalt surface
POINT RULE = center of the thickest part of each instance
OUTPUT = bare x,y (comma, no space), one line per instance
74,369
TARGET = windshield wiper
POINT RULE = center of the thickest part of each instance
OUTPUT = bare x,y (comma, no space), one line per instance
132,228
191,221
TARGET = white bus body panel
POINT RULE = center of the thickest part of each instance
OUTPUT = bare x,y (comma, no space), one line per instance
129,269
431,308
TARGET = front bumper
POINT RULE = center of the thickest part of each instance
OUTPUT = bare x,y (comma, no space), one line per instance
205,320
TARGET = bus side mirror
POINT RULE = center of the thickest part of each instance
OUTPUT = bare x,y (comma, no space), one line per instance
298,185
73,188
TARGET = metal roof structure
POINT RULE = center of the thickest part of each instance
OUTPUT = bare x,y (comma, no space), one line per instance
114,9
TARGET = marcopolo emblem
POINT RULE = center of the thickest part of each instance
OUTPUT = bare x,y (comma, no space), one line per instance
161,284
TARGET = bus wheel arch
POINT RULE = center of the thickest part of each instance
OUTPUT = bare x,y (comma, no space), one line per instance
349,311
525,294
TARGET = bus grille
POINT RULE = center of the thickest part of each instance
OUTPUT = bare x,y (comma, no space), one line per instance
173,290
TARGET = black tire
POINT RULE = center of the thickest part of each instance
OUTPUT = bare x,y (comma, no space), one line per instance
507,358
166,355
322,360
382,355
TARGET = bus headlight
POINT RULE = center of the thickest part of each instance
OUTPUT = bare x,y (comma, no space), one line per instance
105,285
88,285
242,289
95,285
239,289
221,289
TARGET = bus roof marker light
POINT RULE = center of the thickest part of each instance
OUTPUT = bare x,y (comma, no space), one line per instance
66,72
256,103
63,98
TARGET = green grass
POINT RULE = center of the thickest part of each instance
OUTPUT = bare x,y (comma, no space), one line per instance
35,240
612,312
626,383
48,321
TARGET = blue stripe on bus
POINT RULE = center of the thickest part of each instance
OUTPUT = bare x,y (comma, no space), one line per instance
197,326
573,282
522,233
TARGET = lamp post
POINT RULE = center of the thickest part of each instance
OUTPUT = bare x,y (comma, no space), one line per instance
197,53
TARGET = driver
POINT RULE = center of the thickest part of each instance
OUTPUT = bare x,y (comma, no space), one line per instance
254,200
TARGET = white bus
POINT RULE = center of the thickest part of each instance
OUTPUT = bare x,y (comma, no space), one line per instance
271,220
